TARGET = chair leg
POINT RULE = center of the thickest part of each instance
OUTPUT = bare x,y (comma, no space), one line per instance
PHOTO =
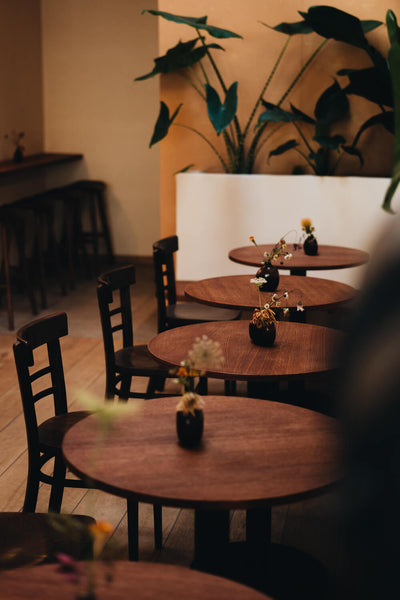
32,489
133,529
157,515
156,383
125,388
57,489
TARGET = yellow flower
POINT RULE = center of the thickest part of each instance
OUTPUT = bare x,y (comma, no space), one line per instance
306,223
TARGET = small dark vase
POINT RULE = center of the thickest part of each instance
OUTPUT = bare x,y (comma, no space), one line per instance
310,245
263,336
18,155
189,427
271,274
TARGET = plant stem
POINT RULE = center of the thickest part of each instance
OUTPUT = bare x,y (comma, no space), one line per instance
268,81
194,86
307,160
304,67
239,135
302,136
223,163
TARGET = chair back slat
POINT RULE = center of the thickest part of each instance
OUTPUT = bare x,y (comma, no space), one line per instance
164,276
114,289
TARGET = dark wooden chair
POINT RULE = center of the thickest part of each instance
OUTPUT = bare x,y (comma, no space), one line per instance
37,538
114,298
45,438
170,312
131,360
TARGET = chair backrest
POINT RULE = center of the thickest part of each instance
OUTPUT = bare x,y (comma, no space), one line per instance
164,275
37,381
114,298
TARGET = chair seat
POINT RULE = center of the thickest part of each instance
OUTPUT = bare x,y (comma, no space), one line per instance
52,431
138,358
34,538
197,313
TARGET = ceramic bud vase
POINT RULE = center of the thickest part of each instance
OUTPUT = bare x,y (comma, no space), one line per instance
271,274
310,245
263,336
18,155
190,420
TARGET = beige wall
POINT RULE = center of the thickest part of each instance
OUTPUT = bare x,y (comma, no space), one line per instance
92,50
249,61
21,106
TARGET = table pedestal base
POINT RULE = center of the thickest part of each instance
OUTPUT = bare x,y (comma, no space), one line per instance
279,571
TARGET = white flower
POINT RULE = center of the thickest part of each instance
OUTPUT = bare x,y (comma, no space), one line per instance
106,410
285,311
300,306
266,305
259,280
205,353
274,297
287,256
286,294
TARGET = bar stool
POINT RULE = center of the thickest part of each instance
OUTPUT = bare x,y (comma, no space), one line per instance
41,211
12,231
87,197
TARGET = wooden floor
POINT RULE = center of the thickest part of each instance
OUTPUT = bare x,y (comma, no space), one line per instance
309,525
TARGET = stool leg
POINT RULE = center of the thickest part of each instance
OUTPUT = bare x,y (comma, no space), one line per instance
4,247
94,233
105,228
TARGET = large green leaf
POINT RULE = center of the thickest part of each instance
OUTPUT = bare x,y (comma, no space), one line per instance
371,83
181,56
394,64
199,23
331,106
301,115
332,23
333,142
163,123
292,28
221,115
283,148
275,114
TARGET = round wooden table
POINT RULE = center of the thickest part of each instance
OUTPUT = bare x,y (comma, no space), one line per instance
328,257
236,291
254,454
300,349
144,581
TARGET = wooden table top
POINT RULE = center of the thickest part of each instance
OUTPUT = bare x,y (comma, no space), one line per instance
254,453
142,581
299,349
236,291
328,257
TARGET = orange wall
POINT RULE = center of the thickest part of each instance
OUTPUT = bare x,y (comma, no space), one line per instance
21,106
249,61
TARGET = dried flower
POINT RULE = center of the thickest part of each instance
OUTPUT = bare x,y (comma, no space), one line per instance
265,315
189,402
307,226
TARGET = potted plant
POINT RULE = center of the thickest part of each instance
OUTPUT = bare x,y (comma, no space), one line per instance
194,60
241,201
